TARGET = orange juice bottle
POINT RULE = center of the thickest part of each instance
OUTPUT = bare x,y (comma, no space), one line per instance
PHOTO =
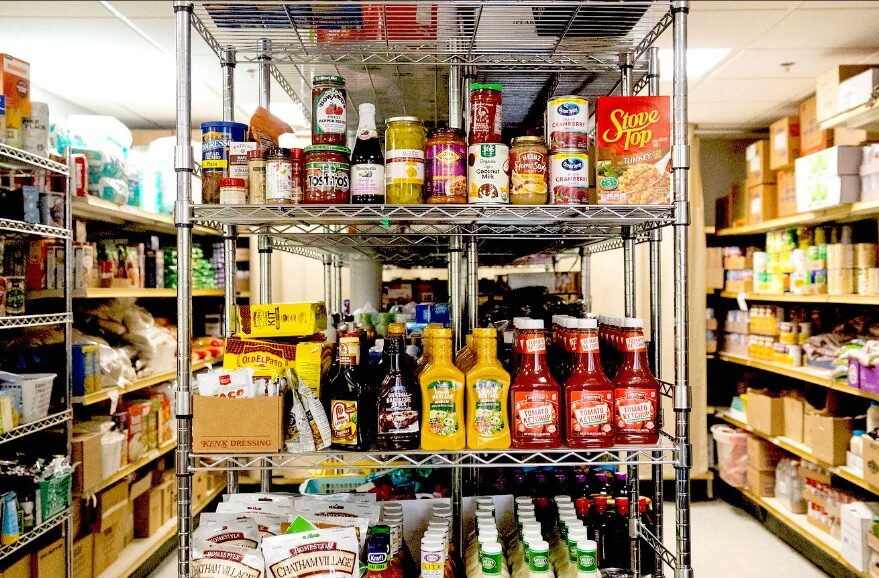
442,397
488,388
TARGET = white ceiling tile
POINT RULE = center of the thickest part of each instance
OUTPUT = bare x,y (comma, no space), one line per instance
744,5
765,63
52,10
837,28
724,113
138,9
751,90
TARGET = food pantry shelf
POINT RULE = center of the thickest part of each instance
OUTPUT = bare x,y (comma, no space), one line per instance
791,298
34,320
22,227
842,213
105,394
35,534
121,292
14,158
864,117
149,457
55,419
95,209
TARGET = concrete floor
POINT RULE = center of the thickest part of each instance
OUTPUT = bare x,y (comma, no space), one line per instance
727,543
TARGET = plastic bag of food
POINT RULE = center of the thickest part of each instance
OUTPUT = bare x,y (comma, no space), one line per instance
222,560
223,383
261,497
267,524
265,128
332,552
360,525
309,508
256,508
239,532
318,422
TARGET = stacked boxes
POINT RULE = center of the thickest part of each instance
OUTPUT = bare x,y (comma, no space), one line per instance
763,457
760,180
828,178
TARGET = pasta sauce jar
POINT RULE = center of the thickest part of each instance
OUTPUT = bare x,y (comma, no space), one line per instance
528,171
486,118
327,175
404,160
445,168
329,121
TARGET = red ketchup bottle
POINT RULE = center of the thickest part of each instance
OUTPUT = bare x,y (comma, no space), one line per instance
636,391
589,419
535,396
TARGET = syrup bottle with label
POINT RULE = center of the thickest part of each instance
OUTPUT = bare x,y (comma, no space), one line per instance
535,395
488,385
351,421
588,393
442,398
399,402
636,391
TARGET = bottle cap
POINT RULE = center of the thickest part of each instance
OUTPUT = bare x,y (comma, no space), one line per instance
232,182
634,323
587,323
533,324
562,499
540,546
569,322
491,548
519,322
485,333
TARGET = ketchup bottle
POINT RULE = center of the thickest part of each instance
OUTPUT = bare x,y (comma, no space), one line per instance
534,396
589,421
636,391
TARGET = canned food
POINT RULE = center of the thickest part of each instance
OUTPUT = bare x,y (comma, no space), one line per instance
528,171
215,139
488,173
404,160
330,118
327,175
445,172
566,123
569,178
279,180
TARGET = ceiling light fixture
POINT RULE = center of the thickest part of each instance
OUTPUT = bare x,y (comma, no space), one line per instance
700,61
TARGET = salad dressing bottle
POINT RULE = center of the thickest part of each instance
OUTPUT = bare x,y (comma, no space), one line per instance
488,385
442,396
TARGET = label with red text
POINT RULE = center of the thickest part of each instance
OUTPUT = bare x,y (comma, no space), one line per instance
636,410
591,413
536,414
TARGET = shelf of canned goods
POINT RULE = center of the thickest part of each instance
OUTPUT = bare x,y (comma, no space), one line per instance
592,49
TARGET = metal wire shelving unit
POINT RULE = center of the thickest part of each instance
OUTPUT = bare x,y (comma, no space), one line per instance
592,47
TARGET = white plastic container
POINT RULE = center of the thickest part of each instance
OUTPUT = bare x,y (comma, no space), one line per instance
732,455
31,392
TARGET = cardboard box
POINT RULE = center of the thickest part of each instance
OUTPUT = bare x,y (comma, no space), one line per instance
110,540
736,262
857,90
831,162
786,193
738,212
714,278
111,505
138,434
757,169
714,257
765,414
169,501
87,455
855,520
828,192
762,483
828,436
761,203
222,425
793,418
813,139
15,84
784,139
827,88
50,561
83,557
762,455
200,483
21,568
282,319
148,512
871,460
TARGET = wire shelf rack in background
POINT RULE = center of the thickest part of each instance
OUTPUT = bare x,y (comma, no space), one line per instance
24,228
10,321
33,535
13,158
55,419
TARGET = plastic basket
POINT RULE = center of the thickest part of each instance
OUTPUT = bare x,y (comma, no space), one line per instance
32,393
332,485
732,455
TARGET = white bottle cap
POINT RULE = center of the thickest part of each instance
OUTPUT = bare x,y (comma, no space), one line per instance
569,322
587,324
634,323
524,500
562,499
485,501
533,324
518,322
491,548
587,545
556,319
539,546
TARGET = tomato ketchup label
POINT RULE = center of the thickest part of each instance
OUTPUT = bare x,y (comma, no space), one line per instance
591,413
587,344
635,343
531,344
536,414
636,410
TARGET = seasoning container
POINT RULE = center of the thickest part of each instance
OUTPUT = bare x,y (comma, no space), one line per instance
329,101
569,178
488,173
256,177
238,159
445,167
215,139
327,175
279,182
486,116
567,118
15,295
528,171
233,191
297,173
404,160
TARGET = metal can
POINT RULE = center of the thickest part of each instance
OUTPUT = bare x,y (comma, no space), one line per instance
528,171
233,192
329,103
488,173
569,178
215,139
404,160
327,175
256,177
279,181
567,118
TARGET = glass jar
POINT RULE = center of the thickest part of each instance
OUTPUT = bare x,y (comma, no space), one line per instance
279,185
327,175
528,171
233,191
329,121
256,177
445,168
404,160
486,117
297,173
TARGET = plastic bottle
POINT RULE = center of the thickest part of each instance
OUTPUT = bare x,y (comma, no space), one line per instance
466,356
588,394
399,402
488,387
569,348
426,348
587,559
492,560
432,558
616,547
636,391
599,522
535,394
442,395
378,554
538,562
873,416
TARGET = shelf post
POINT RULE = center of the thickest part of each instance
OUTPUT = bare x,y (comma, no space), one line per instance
264,59
337,265
682,392
629,271
456,307
585,278
456,110
68,339
183,166
473,282
627,64
328,284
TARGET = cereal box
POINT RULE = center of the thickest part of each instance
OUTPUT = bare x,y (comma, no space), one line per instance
633,150
15,84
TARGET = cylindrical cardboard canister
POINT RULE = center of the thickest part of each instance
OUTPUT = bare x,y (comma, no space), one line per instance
840,281
865,255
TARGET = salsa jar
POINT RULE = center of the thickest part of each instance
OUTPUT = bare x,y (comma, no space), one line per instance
404,160
279,181
330,119
569,178
567,119
445,168
486,113
488,174
327,175
528,171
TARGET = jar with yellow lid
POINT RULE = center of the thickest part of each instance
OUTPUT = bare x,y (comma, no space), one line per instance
404,160
528,171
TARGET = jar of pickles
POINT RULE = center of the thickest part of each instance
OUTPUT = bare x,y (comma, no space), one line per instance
446,166
404,160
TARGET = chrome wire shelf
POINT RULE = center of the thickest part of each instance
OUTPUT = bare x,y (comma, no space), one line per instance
55,419
11,321
14,158
33,229
661,453
33,535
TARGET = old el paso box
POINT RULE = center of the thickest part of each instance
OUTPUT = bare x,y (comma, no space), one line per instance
633,150
282,319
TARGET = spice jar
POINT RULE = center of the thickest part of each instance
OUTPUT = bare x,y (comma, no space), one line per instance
329,121
486,118
445,168
327,175
297,173
256,177
233,191
404,160
279,183
528,171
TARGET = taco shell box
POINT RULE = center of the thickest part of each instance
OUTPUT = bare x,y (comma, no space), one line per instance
282,319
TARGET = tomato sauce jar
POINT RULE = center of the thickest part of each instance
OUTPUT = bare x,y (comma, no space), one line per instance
486,117
445,169
327,175
329,120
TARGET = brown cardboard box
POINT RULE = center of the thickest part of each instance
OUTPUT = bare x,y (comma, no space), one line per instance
76,513
51,561
813,139
148,513
762,483
757,168
714,257
721,212
87,455
793,418
762,455
828,436
827,88
784,138
734,262
169,501
110,540
765,414
871,461
761,203
738,212
242,426
141,486
21,568
199,487
83,557
714,278
111,505
786,193
128,525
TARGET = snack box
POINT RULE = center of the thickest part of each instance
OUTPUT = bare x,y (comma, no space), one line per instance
282,319
784,135
831,162
308,359
633,150
15,84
